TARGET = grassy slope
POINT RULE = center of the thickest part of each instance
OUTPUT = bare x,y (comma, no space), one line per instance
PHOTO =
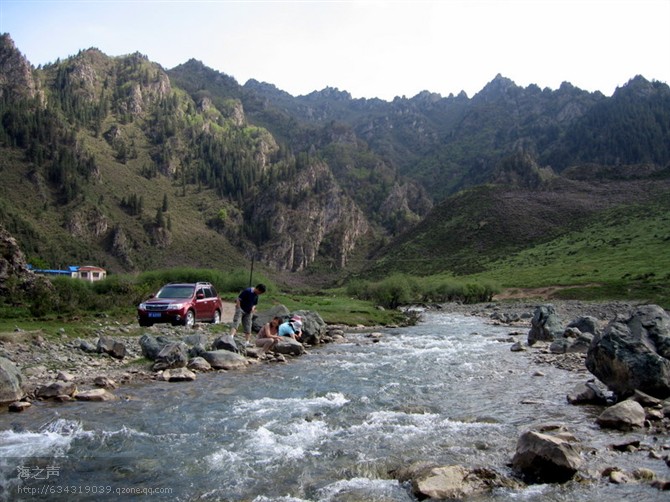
613,233
623,253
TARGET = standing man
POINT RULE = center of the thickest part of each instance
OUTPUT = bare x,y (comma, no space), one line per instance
245,306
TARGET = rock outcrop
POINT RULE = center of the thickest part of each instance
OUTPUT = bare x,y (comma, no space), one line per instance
633,353
545,325
307,216
15,277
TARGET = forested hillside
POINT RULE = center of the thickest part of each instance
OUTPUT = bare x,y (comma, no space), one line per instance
118,162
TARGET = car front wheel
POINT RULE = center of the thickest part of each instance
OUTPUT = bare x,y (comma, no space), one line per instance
189,320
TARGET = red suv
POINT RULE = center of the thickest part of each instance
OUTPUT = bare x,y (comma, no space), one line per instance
182,303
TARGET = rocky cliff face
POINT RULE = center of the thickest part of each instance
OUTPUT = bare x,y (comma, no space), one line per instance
15,278
308,216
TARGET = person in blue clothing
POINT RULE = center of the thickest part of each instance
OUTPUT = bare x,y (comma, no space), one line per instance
245,306
291,328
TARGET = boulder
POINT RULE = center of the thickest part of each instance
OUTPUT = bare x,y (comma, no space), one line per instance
107,345
545,325
587,393
314,328
623,416
572,342
57,389
178,375
545,458
585,324
173,355
10,381
290,347
451,481
224,359
226,342
634,353
199,364
151,346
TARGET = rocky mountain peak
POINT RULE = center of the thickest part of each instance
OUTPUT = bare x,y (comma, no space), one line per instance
16,78
498,88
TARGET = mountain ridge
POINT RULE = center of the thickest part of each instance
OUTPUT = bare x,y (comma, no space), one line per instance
300,184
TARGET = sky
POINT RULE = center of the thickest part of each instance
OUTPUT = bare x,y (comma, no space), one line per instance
369,48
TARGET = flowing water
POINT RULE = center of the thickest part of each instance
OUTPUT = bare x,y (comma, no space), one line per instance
328,426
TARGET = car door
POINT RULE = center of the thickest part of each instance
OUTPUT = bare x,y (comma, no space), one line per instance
201,304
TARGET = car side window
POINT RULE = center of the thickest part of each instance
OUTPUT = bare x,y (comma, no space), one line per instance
208,293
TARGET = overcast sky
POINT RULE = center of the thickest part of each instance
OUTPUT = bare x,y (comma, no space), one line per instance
371,49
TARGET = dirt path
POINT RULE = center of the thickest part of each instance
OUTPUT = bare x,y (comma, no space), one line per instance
542,293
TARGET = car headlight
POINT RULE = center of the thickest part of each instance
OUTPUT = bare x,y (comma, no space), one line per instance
142,306
175,306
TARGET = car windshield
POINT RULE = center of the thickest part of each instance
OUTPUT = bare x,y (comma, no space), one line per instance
175,292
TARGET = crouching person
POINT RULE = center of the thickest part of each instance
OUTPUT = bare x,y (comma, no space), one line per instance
291,328
268,336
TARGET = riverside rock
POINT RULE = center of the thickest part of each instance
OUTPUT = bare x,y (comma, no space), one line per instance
634,353
173,355
545,458
57,389
314,328
587,393
623,416
545,325
114,348
10,381
290,347
451,481
178,375
95,395
224,359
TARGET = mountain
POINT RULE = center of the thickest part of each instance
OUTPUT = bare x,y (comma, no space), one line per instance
119,162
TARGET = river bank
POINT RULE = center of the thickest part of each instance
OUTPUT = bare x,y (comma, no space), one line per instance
43,360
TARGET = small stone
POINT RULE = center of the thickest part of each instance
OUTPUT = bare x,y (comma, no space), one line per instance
95,395
19,406
64,376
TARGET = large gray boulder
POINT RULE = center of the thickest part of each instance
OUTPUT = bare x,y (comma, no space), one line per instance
545,458
224,359
634,353
10,381
151,345
290,347
173,355
545,326
314,328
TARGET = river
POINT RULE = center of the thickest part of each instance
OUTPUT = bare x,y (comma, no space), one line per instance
328,426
